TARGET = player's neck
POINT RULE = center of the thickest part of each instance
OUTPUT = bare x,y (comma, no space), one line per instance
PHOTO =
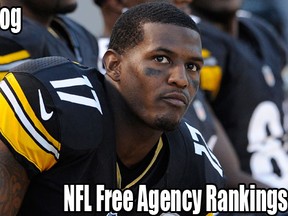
230,26
131,150
225,22
134,138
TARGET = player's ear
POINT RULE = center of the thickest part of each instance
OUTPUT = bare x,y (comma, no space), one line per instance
111,60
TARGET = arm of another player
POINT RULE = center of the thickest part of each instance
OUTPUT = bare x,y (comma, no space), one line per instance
13,182
229,160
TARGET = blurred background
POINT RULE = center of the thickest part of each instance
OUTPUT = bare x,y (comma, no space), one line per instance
275,11
85,10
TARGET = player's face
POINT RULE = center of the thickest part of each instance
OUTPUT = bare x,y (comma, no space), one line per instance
218,6
51,6
160,75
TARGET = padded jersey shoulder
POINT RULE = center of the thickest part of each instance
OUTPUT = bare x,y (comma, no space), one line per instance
34,66
62,100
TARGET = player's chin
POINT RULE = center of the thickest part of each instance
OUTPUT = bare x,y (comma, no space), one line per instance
167,123
67,8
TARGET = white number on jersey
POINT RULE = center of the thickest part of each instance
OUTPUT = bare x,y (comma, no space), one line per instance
203,148
266,147
78,99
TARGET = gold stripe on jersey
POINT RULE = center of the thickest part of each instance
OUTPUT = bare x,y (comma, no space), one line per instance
211,74
23,130
16,56
2,75
119,178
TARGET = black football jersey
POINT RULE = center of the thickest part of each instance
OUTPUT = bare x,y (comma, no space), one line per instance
63,135
35,41
242,80
199,116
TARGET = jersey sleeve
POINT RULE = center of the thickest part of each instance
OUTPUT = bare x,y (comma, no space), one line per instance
28,133
11,55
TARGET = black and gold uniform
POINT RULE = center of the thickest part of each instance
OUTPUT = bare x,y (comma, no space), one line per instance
63,134
64,37
199,116
242,79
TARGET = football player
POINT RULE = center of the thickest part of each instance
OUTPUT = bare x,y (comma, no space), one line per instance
199,114
46,31
246,91
67,124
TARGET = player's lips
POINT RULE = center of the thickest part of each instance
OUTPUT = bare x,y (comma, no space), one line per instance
176,98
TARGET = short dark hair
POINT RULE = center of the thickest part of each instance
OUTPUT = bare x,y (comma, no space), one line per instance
128,30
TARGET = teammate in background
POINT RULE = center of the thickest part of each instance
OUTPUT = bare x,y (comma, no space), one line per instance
275,12
120,129
45,32
111,10
201,116
246,93
198,115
